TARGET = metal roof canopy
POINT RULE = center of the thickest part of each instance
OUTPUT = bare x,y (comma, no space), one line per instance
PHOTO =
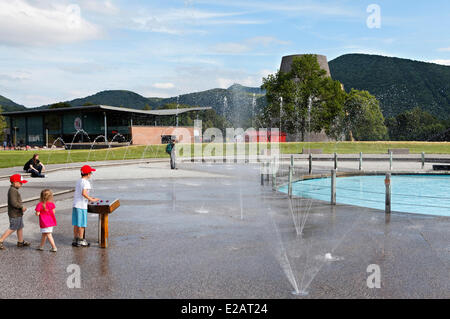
166,112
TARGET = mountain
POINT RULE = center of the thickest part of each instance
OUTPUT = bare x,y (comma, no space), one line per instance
399,84
10,106
236,104
112,98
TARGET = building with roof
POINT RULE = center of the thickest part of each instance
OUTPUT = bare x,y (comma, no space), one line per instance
40,127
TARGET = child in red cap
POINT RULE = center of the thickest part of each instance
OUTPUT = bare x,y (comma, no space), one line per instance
81,199
15,212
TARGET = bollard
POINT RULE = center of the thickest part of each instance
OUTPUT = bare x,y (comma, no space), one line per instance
267,171
390,160
333,187
360,161
310,164
274,178
262,173
423,160
387,182
335,160
291,168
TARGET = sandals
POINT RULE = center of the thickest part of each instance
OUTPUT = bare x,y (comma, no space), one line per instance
1,246
23,244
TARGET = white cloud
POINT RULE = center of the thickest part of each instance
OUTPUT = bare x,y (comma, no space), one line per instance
443,62
266,41
184,21
247,45
164,86
231,48
22,23
444,50
105,7
15,76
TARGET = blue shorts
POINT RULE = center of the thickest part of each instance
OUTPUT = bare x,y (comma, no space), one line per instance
79,217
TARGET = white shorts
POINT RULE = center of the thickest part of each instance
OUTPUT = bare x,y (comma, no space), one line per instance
47,230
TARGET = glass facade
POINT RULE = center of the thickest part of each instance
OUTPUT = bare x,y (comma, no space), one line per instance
35,128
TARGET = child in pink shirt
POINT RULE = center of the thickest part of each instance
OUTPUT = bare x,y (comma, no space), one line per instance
47,220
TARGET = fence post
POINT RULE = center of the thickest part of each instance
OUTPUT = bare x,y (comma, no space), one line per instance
387,182
390,160
333,187
335,160
360,161
274,177
310,163
291,168
262,173
423,160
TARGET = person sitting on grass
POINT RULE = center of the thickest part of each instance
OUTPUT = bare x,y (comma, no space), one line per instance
34,166
47,220
15,212
81,199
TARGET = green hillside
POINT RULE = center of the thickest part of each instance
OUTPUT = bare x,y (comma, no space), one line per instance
9,106
113,98
234,103
399,84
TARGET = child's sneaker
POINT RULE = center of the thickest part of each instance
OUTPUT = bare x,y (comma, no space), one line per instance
1,246
76,242
23,244
84,243
40,248
54,250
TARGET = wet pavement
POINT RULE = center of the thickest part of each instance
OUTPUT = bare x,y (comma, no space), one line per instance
212,231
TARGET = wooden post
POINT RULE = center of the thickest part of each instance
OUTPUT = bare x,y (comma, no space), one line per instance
335,161
291,168
390,160
360,160
333,187
387,182
310,163
423,160
104,231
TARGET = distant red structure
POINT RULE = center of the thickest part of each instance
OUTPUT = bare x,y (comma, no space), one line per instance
265,137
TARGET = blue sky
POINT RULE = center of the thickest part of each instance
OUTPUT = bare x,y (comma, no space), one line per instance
57,50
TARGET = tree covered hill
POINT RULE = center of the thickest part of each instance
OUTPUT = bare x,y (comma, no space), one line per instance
9,106
113,98
399,84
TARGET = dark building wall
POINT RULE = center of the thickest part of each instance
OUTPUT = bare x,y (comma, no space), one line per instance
31,129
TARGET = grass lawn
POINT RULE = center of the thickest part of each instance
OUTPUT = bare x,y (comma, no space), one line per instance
18,158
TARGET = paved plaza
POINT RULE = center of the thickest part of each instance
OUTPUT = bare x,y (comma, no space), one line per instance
212,231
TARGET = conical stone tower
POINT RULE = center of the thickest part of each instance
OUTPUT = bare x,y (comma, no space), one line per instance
286,63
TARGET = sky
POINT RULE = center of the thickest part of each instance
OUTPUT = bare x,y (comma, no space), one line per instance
58,50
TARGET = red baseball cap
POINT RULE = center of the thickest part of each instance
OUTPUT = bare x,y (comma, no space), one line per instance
17,178
86,169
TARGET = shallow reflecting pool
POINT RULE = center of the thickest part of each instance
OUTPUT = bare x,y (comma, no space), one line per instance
421,194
